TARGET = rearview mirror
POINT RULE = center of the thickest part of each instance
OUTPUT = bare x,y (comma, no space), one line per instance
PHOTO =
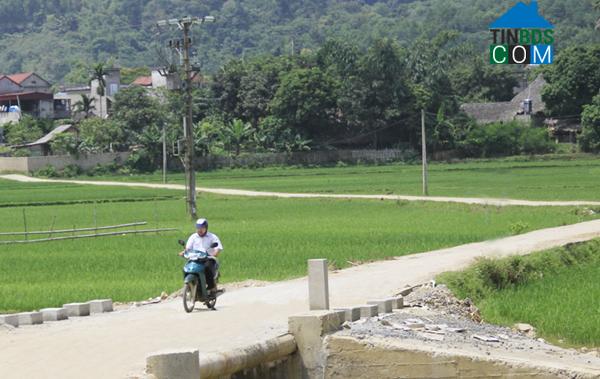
181,242
214,245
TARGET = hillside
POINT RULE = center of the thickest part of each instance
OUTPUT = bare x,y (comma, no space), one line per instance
58,37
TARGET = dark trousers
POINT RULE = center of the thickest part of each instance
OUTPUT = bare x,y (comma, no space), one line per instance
209,269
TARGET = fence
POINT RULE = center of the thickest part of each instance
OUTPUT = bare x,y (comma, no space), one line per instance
59,162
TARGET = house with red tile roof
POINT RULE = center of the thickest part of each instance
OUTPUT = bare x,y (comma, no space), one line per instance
26,93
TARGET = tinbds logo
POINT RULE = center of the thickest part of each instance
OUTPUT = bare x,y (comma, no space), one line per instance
522,36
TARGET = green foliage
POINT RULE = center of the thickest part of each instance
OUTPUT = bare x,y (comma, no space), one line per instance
572,80
135,110
489,275
26,130
85,106
51,37
235,134
546,289
511,138
590,120
65,144
47,171
99,135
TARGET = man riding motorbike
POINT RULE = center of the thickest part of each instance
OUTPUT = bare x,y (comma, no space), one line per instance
202,240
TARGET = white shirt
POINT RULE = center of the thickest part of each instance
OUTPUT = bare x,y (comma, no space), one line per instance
195,242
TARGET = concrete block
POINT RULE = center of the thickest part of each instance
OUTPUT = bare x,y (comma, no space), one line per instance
101,306
30,318
384,305
179,364
369,310
318,285
350,313
308,330
11,319
398,302
54,314
77,309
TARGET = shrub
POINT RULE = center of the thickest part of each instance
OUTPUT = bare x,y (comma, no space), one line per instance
499,139
47,171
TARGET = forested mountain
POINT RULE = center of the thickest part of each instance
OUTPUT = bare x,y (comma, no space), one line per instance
59,38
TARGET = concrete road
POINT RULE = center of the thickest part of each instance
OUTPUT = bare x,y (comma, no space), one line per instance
115,345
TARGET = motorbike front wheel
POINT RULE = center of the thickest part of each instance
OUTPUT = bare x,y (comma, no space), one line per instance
189,297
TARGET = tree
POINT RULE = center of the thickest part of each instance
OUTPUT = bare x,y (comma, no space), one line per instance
135,110
101,135
98,75
235,134
573,80
590,121
26,130
85,106
305,100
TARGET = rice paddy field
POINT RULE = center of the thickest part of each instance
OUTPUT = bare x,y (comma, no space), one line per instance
264,238
535,178
560,296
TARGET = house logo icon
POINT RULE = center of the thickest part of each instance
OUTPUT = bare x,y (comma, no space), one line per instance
522,36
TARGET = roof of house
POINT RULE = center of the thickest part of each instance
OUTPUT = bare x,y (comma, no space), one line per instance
143,81
508,110
522,16
20,77
48,137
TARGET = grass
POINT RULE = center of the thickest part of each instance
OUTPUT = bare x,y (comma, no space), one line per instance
29,194
520,178
264,238
557,291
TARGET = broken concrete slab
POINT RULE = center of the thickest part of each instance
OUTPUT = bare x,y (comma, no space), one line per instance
54,314
369,310
309,329
77,309
11,319
30,318
101,306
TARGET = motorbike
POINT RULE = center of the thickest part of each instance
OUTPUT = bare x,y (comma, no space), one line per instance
194,278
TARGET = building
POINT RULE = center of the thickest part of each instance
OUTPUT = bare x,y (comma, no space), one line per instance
26,93
526,106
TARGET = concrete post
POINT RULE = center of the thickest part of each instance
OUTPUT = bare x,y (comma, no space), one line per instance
318,285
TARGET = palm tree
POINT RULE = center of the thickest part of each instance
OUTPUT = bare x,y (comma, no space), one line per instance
98,74
85,106
236,133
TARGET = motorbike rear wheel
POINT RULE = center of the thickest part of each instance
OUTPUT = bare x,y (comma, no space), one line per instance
189,297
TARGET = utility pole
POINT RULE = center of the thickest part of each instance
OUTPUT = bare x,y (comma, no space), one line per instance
164,151
424,150
185,24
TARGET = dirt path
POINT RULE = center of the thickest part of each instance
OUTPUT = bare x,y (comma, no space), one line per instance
115,345
237,192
